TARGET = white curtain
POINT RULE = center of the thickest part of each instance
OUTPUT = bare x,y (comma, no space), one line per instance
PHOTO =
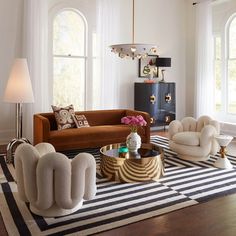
35,41
204,82
106,75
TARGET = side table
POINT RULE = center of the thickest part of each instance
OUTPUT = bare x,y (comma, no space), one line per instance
222,161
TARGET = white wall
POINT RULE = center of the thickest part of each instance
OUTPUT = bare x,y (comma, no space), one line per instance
190,58
221,12
162,22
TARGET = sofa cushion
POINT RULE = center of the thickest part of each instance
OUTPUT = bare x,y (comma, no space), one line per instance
92,135
63,116
187,138
80,121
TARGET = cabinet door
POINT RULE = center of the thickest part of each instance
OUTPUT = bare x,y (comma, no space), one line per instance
166,94
145,99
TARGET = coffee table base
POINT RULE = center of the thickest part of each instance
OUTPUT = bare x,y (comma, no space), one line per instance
132,170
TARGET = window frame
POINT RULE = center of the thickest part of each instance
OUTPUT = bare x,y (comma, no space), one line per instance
54,12
223,114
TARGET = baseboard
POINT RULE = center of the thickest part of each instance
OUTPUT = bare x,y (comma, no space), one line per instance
159,128
6,136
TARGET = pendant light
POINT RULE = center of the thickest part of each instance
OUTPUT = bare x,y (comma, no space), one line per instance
133,50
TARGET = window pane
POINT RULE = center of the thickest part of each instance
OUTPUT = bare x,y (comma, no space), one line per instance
68,84
218,102
217,72
232,86
68,34
232,39
217,48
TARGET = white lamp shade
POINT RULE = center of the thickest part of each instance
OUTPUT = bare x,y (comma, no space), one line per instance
19,88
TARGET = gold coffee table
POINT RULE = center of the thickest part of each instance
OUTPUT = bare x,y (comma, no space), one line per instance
130,169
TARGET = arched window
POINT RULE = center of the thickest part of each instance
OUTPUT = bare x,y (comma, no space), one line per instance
225,71
231,67
69,59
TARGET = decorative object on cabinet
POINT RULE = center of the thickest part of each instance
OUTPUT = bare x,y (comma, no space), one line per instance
18,90
157,99
163,62
148,68
133,50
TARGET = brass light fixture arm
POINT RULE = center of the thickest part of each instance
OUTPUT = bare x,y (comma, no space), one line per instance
133,25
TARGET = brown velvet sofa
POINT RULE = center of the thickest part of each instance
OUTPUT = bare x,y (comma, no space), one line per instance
105,128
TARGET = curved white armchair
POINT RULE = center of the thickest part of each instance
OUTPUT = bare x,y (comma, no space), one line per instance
53,184
194,139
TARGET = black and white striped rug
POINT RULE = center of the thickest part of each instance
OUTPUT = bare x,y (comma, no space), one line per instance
185,183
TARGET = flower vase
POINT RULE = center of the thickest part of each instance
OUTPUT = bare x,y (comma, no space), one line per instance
133,142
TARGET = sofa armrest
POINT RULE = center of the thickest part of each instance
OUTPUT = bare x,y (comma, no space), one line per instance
41,129
175,127
146,117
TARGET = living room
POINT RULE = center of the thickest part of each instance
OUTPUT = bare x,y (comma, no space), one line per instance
28,31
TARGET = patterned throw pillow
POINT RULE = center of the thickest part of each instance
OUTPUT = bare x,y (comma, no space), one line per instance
63,117
80,121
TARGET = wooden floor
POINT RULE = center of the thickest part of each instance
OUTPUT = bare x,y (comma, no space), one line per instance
216,217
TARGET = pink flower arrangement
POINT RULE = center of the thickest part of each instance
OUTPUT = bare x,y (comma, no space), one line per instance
134,122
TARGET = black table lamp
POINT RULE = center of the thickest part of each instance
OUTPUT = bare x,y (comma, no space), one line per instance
163,62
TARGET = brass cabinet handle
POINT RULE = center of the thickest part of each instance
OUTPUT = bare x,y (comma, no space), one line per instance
168,98
153,99
167,119
152,120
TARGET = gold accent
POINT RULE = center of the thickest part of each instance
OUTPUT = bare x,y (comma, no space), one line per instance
167,119
223,151
131,170
153,99
168,97
152,120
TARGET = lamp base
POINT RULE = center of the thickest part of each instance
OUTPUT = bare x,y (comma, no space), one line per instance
12,146
162,76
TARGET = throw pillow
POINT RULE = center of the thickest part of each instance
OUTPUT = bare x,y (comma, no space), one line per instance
80,121
63,116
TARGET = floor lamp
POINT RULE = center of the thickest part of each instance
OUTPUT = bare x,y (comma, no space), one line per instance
19,91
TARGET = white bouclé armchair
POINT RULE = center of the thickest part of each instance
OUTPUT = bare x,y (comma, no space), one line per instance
194,139
53,184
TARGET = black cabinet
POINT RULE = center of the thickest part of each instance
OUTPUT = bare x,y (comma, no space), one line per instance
158,99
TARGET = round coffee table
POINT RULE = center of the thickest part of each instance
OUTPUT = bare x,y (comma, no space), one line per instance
149,166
